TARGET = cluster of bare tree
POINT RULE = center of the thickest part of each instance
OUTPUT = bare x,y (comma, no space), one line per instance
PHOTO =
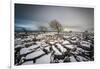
54,24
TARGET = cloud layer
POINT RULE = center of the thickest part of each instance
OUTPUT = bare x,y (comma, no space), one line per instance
33,16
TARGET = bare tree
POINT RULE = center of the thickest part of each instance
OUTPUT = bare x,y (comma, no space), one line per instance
55,25
43,28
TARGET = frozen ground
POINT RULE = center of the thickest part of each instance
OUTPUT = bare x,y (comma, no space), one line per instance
51,49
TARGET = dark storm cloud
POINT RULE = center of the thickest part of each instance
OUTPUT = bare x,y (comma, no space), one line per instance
32,16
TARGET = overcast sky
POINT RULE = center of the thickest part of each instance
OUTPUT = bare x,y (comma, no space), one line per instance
72,18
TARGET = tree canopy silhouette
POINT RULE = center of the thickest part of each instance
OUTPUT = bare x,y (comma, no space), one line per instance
55,25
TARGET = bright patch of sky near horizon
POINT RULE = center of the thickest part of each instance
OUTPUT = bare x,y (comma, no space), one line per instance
72,18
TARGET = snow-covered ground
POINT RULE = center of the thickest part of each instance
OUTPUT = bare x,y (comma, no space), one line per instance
47,46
